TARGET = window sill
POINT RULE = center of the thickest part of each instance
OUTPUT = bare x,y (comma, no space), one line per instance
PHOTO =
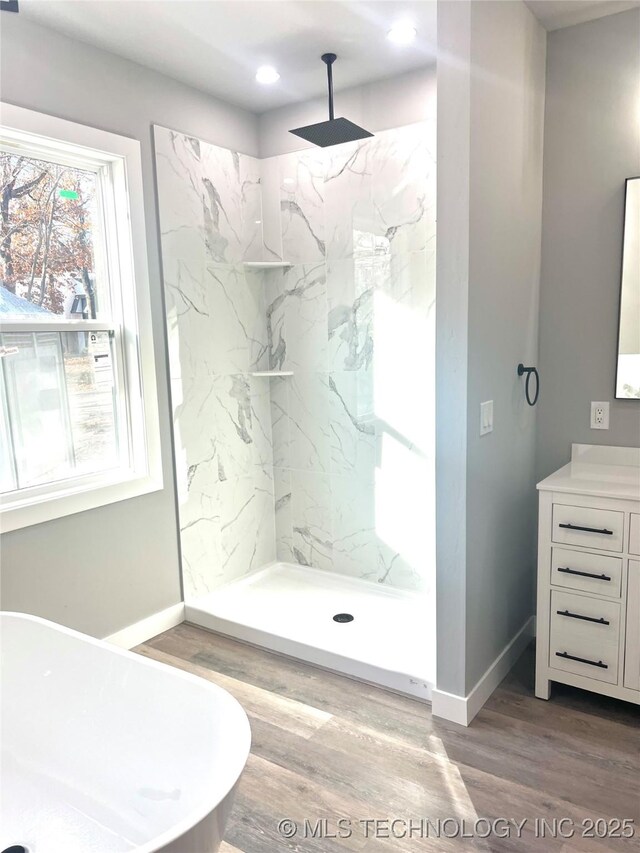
24,512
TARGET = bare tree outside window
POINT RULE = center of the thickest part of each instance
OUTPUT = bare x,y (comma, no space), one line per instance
47,215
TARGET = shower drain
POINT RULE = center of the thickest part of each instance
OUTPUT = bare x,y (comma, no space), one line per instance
343,617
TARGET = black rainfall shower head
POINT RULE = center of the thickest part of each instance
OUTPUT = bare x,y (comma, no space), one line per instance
336,130
331,132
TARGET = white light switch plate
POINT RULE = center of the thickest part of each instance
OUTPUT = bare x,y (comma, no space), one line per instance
599,415
486,417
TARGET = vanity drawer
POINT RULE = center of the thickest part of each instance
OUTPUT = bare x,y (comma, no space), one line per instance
586,572
585,636
634,534
587,527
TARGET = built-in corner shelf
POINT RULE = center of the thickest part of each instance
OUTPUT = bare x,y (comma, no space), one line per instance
267,265
269,373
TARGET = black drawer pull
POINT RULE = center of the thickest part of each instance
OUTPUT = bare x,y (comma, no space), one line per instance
583,660
600,621
569,571
602,530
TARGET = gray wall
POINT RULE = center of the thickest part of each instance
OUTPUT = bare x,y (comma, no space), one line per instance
591,145
104,569
384,104
507,112
489,208
452,301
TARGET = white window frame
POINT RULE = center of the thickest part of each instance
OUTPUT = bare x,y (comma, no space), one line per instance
129,277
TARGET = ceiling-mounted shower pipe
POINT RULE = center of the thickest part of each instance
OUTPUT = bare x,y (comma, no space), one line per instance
329,59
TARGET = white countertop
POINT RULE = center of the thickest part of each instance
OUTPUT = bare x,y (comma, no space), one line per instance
597,477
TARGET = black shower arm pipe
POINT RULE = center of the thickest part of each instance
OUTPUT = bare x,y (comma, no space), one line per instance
329,59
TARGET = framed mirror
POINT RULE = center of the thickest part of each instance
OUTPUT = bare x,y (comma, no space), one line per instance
628,369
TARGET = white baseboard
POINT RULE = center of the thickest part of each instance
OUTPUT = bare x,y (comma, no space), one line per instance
462,709
449,706
143,630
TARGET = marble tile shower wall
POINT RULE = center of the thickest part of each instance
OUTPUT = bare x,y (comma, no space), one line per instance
343,449
210,212
353,318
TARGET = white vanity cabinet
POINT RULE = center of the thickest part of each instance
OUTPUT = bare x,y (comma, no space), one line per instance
588,613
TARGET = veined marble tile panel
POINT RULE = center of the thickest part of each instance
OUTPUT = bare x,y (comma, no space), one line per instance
273,294
190,351
411,281
200,557
247,527
179,176
280,421
352,424
311,519
297,318
351,284
394,570
199,512
350,215
227,530
404,188
353,527
404,352
283,514
271,211
230,203
183,266
242,424
194,421
185,299
302,206
236,304
251,209
308,410
405,509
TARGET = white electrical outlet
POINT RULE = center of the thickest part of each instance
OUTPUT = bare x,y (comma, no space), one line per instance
599,415
486,417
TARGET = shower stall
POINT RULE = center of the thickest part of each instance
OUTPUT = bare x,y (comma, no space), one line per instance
300,309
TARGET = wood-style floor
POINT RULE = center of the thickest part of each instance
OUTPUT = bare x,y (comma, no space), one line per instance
327,747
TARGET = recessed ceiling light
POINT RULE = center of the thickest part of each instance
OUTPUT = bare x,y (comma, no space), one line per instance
402,33
267,74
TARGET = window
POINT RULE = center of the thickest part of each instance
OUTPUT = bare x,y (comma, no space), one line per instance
78,408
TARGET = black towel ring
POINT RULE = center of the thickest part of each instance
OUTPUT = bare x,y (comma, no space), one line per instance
530,371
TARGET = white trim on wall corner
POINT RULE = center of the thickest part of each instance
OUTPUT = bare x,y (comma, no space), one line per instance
147,628
462,709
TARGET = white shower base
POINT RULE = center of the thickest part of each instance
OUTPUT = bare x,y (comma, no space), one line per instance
289,609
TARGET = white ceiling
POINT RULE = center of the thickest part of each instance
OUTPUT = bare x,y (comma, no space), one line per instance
555,14
216,45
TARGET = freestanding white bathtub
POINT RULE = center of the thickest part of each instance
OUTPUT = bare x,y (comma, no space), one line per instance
105,751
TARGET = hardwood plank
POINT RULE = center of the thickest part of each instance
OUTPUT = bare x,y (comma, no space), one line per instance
336,694
542,759
442,788
370,775
291,716
269,793
598,732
